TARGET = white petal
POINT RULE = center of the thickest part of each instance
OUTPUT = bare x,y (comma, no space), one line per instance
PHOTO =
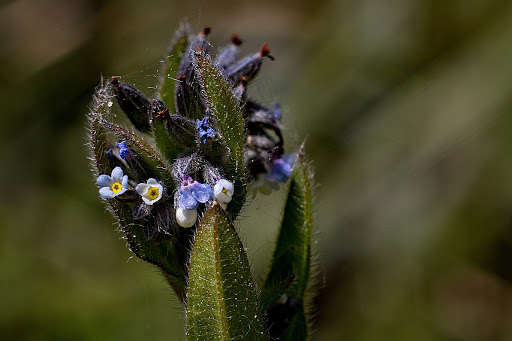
223,184
117,174
223,190
152,181
223,197
186,218
124,184
147,201
160,192
105,180
107,193
224,205
142,188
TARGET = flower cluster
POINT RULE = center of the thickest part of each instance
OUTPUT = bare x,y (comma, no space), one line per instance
191,193
199,154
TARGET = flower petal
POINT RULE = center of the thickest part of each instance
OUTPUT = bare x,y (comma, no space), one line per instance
223,184
150,201
105,180
201,192
117,174
152,181
142,188
107,193
186,218
223,191
281,170
147,200
124,184
187,201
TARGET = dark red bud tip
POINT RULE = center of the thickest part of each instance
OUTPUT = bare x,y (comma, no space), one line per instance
235,39
181,77
114,81
265,52
206,30
243,81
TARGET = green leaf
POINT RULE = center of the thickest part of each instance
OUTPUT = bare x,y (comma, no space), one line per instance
221,298
226,119
174,56
286,286
167,250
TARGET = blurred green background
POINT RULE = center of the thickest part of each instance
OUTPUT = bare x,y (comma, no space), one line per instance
406,108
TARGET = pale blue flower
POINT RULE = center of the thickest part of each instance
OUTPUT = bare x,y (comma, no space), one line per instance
113,185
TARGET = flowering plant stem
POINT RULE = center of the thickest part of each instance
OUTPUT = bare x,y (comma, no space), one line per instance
177,177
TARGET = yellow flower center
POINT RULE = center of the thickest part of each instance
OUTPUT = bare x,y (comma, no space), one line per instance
224,190
153,193
116,187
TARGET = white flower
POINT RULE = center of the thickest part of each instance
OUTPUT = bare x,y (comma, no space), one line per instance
223,192
113,185
151,191
186,218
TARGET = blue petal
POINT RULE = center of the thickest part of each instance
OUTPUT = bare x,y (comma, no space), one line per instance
201,192
124,184
187,201
104,180
107,193
281,170
117,174
204,129
124,152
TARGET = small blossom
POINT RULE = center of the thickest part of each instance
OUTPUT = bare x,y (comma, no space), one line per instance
113,185
223,191
124,152
205,131
282,168
193,193
186,218
151,191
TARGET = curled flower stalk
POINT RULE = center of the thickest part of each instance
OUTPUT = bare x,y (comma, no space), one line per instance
179,177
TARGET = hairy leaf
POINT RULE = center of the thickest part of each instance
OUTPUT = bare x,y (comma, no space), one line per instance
150,231
221,297
285,289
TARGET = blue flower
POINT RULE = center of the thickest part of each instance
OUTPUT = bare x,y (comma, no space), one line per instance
282,168
204,129
124,152
113,185
193,193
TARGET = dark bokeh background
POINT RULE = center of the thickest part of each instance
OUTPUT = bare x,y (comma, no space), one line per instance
406,107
